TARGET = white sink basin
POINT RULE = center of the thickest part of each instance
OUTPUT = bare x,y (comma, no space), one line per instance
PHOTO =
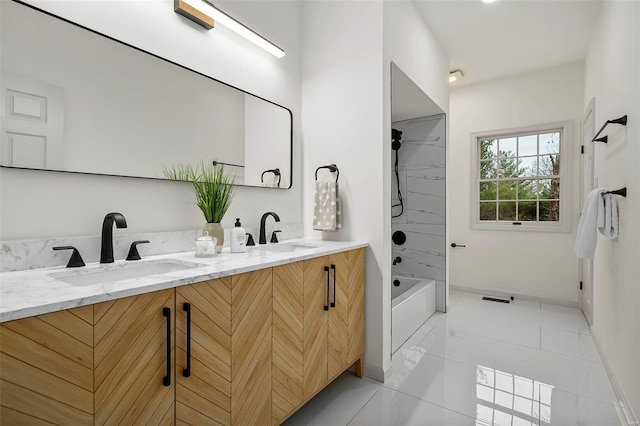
122,271
285,247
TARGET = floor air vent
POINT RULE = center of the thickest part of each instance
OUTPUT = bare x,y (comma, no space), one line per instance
493,299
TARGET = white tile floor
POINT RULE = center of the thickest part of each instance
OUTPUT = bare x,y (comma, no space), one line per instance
483,363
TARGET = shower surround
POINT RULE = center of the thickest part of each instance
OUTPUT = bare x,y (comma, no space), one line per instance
421,169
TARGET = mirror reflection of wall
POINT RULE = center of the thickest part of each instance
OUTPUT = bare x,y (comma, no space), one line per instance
76,101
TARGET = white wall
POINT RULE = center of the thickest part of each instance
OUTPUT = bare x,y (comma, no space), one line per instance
535,264
342,96
347,121
612,77
37,204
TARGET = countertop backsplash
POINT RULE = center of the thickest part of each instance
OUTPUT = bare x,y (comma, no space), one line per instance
21,255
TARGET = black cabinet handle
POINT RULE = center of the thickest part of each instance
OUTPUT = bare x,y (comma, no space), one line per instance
333,304
326,270
186,372
166,380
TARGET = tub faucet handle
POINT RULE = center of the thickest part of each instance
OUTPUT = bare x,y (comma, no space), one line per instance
398,259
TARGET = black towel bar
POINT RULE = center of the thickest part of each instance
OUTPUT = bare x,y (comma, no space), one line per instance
332,168
622,192
622,121
215,163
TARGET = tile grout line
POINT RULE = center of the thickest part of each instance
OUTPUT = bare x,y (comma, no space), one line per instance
428,402
475,365
363,405
527,322
598,361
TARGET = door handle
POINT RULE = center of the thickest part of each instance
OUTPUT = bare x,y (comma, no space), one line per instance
186,372
454,245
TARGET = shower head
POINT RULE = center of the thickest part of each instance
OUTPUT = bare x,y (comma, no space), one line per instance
396,135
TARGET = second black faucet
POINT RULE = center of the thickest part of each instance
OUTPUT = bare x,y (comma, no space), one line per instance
263,236
106,246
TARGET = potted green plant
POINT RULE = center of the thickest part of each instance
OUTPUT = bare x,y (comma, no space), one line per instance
213,189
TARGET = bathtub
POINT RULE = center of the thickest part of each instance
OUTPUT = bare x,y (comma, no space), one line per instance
412,303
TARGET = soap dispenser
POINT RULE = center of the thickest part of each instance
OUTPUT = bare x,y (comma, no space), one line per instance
238,238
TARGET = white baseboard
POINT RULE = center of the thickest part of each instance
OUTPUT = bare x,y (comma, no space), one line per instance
516,296
377,373
627,411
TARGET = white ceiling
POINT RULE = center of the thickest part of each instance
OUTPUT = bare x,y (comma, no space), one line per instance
507,37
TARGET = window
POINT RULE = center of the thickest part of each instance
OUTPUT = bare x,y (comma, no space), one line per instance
518,178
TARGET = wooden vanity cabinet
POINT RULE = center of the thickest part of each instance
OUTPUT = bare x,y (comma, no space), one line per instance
248,349
46,369
223,362
97,364
318,326
133,384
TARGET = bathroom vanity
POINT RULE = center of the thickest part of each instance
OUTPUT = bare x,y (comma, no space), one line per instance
238,339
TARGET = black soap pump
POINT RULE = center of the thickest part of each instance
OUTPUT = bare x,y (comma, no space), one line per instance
238,238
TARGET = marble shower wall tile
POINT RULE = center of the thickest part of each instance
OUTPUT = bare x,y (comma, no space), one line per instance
422,180
20,255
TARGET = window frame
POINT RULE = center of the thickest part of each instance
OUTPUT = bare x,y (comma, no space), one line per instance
566,172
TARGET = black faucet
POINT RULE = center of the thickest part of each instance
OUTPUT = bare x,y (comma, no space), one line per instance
398,259
106,246
263,236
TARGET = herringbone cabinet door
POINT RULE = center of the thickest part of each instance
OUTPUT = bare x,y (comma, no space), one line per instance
46,369
205,396
338,314
315,326
131,359
288,345
356,304
251,331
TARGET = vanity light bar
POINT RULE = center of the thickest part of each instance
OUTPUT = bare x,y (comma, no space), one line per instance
204,13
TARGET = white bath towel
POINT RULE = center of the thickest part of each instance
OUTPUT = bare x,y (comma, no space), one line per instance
326,211
592,216
608,224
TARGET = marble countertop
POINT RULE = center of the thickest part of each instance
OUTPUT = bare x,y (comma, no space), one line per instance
40,291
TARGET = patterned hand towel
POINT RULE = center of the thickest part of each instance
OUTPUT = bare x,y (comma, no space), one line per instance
326,211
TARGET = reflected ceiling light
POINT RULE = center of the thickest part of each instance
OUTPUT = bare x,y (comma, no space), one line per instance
204,13
455,76
489,1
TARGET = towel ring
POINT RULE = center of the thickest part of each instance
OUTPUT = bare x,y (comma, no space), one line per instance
276,172
332,168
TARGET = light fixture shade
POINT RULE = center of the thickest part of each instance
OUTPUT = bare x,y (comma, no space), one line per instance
204,13
455,76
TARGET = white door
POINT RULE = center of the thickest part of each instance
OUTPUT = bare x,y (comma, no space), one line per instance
586,265
32,123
